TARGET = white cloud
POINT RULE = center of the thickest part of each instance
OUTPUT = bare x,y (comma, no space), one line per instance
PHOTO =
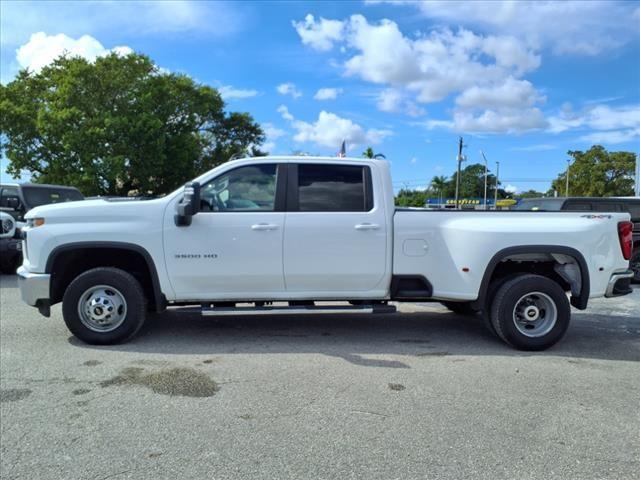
131,18
228,92
268,147
511,93
599,117
327,93
511,188
320,35
613,136
434,65
389,100
502,121
394,101
284,112
42,49
288,89
566,27
329,130
541,147
414,160
272,132
491,121
484,70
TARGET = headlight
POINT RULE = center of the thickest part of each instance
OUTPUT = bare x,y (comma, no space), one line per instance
7,225
35,222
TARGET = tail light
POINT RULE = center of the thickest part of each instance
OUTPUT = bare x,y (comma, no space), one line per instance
625,234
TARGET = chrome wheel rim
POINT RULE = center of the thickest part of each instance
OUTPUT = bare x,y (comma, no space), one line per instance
535,314
102,308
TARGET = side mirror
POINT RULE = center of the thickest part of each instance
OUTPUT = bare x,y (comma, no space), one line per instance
189,205
13,203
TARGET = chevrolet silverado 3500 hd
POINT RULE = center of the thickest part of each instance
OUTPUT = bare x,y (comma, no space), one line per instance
297,231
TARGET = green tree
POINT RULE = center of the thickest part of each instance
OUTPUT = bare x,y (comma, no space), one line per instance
472,183
412,198
439,185
530,194
118,125
369,153
598,173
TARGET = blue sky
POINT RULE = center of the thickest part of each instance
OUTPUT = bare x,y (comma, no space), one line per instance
524,82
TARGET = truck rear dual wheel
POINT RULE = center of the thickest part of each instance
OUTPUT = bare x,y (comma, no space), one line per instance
530,312
104,306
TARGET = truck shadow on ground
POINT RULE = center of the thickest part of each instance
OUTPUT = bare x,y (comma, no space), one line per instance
356,338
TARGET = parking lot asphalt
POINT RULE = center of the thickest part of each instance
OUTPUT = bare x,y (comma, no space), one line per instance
420,394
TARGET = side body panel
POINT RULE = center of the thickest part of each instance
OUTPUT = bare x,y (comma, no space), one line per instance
458,246
341,254
137,223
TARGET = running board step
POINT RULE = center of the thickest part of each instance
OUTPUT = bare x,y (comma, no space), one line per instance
297,310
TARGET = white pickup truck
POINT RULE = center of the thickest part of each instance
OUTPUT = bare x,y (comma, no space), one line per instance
315,235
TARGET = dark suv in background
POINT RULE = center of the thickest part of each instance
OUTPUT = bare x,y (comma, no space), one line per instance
18,199
630,205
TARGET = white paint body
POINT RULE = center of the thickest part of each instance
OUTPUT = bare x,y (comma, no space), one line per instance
318,255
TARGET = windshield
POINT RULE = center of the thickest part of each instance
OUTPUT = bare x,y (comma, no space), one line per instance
548,204
36,196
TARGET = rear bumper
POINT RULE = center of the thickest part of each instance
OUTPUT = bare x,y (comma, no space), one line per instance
34,287
619,284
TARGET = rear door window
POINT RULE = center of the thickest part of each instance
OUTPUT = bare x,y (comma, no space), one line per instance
334,188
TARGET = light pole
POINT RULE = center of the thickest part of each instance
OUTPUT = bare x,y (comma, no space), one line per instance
637,176
460,160
495,200
566,190
486,175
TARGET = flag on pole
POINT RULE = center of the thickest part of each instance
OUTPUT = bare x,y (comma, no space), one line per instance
343,150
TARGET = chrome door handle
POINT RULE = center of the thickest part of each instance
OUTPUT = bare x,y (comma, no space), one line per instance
367,226
264,226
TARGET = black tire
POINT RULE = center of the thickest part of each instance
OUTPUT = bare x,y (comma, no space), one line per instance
8,266
461,308
511,294
491,293
128,289
635,266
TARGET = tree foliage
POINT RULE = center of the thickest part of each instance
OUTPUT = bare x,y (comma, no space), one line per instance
412,198
598,173
471,186
369,153
117,125
530,194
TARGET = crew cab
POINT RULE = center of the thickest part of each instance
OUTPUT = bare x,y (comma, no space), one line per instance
309,235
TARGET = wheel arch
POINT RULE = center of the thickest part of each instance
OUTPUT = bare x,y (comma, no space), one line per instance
579,299
123,255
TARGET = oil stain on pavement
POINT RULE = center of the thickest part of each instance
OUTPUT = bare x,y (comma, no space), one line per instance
14,394
180,381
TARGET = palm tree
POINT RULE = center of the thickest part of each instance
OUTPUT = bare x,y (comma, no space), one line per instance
439,183
368,153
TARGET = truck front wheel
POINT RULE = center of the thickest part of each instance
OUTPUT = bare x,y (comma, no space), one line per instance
104,306
530,312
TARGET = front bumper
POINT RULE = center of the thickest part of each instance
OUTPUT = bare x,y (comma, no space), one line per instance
34,287
619,284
